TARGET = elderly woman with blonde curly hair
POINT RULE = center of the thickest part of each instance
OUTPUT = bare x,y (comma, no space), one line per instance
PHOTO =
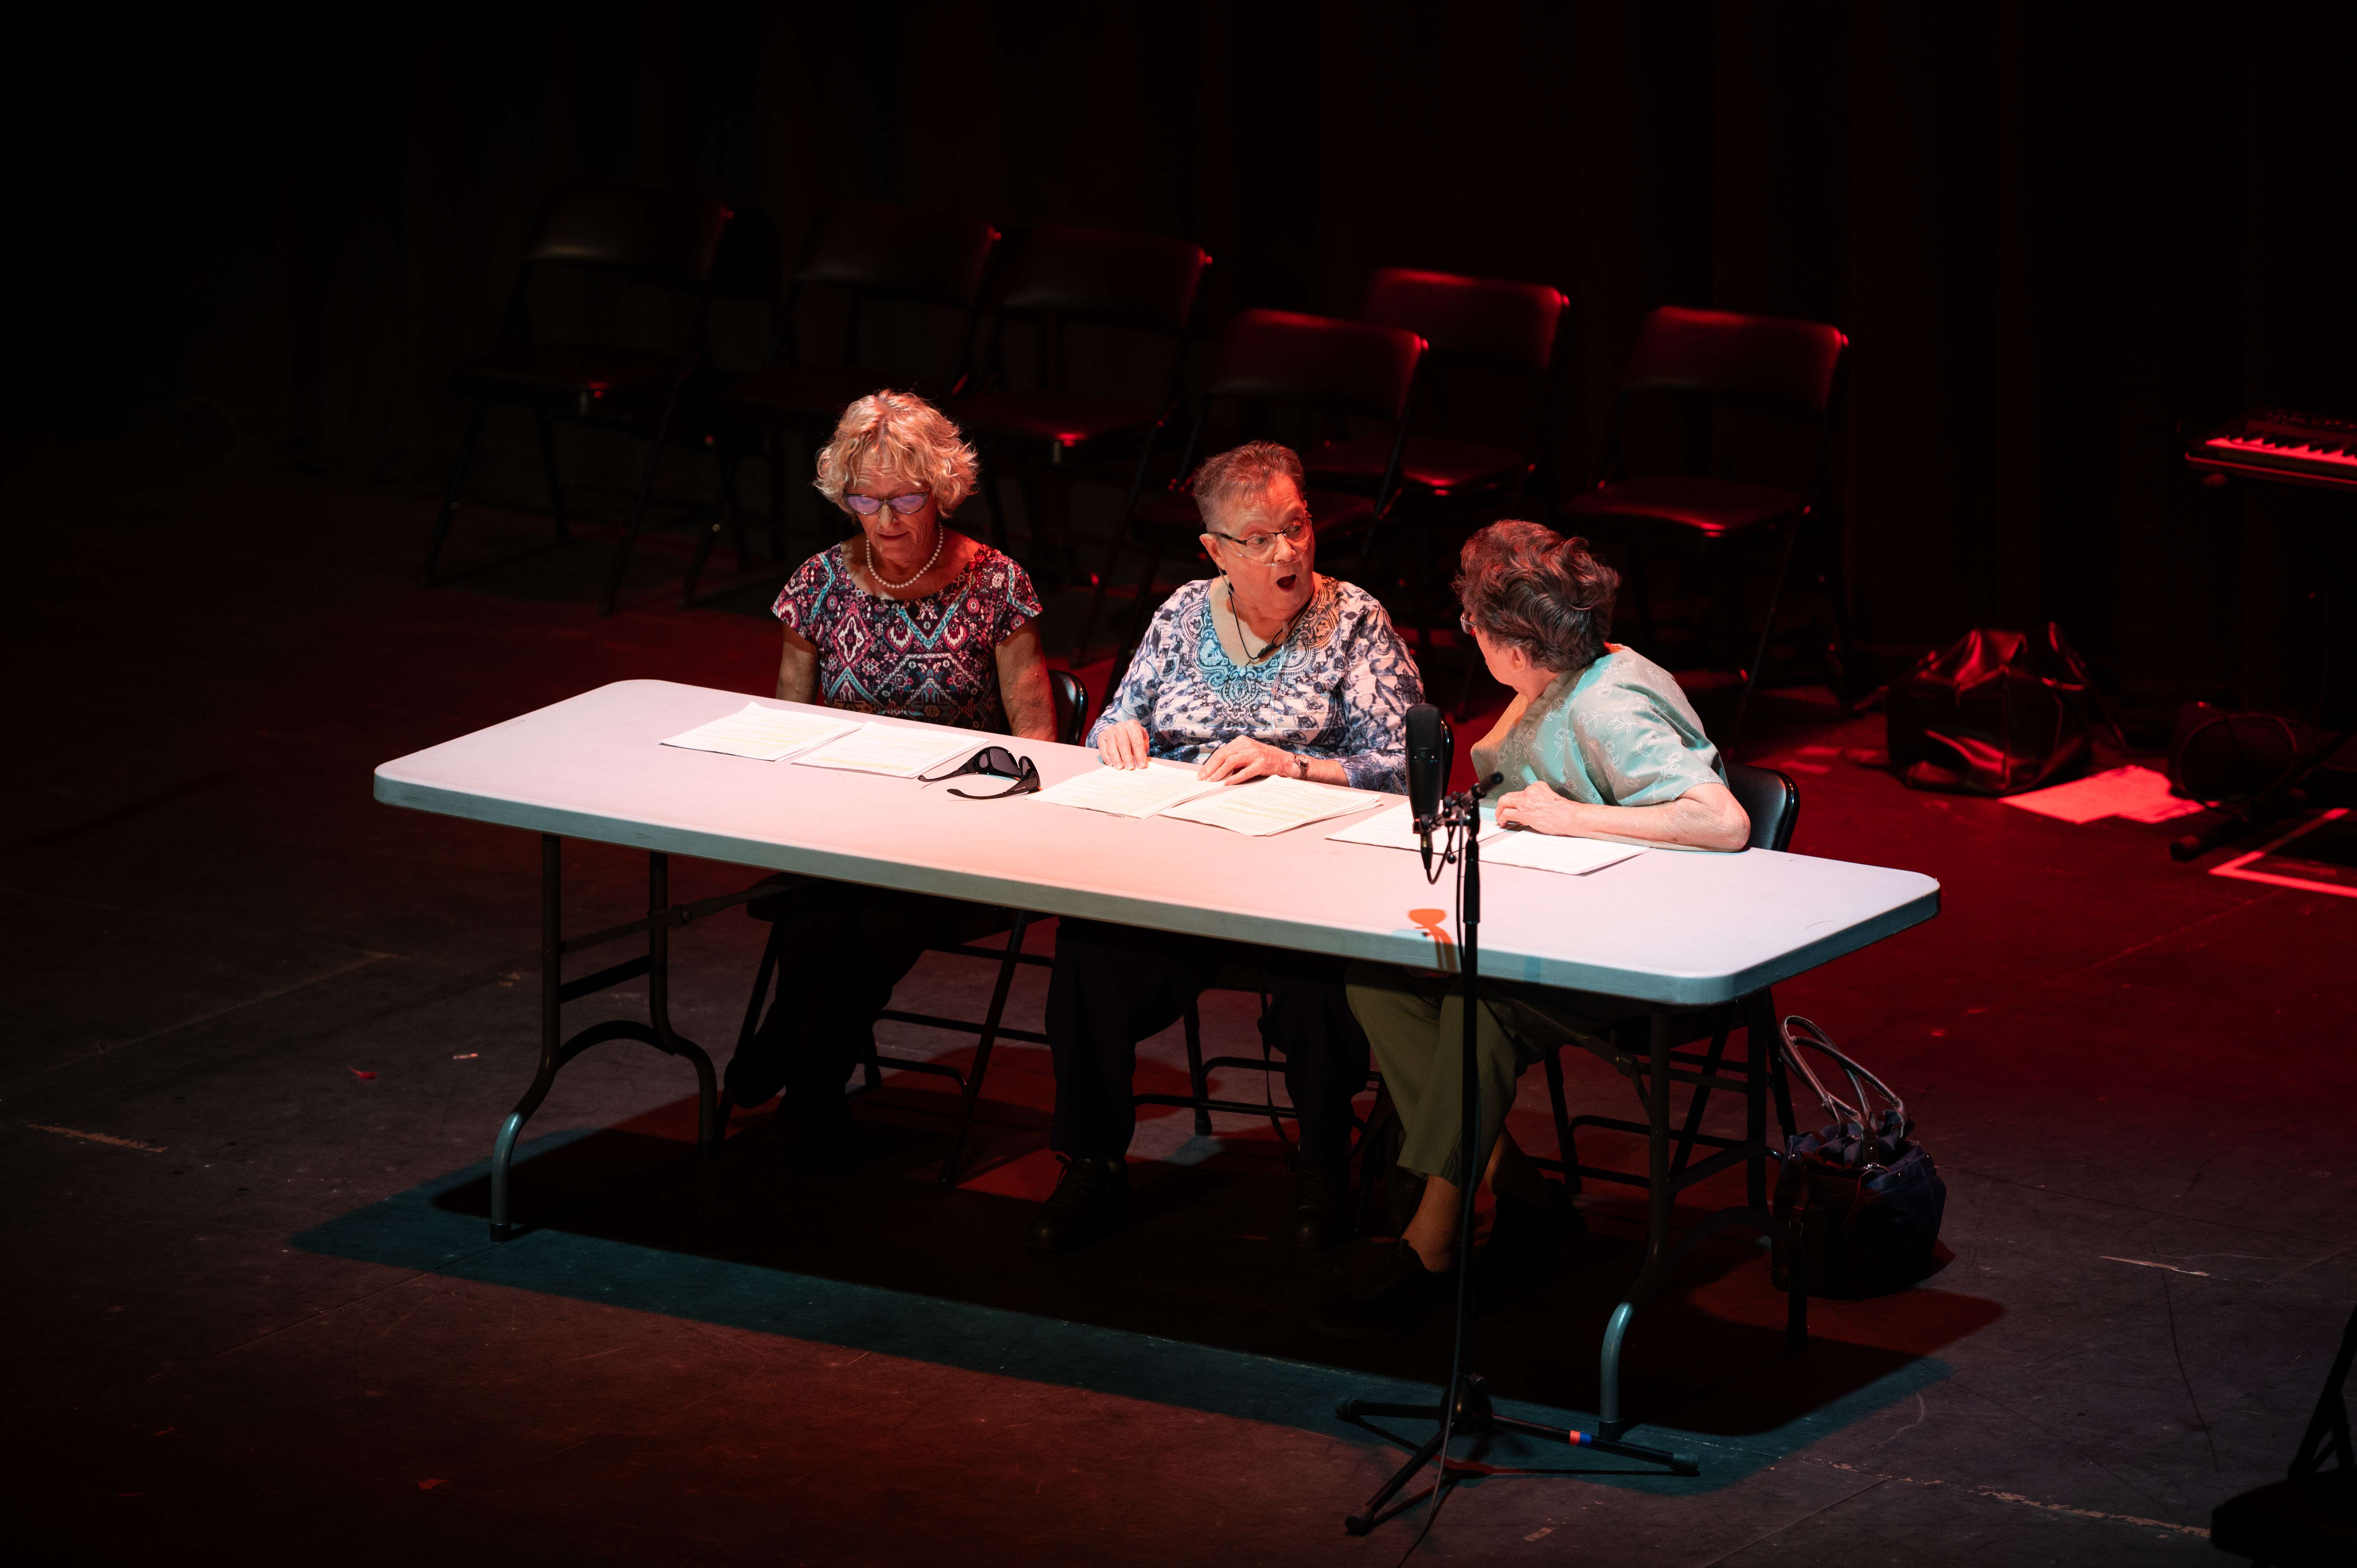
910,618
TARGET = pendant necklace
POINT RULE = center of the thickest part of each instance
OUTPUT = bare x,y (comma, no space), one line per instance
1243,633
939,532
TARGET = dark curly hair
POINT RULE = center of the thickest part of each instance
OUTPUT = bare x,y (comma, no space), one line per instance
1526,585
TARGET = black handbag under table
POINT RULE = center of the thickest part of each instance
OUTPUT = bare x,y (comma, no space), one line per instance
1858,1211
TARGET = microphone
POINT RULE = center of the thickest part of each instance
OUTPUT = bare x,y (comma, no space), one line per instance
1431,748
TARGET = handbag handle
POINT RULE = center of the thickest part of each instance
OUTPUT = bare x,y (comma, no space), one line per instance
1797,1032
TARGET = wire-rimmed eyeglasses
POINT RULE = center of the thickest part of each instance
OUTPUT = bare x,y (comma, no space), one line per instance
1261,546
907,506
998,762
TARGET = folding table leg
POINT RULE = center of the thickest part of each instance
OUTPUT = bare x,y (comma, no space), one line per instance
1658,1199
555,1051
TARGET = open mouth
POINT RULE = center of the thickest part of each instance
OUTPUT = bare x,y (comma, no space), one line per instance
1284,584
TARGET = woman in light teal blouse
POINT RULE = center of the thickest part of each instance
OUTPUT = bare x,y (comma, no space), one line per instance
1598,741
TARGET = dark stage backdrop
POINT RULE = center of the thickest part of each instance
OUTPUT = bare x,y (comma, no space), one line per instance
2054,232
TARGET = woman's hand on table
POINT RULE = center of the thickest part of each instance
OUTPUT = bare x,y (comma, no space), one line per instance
1122,744
1541,810
1245,757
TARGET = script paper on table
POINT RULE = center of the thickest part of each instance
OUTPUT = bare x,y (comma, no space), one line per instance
893,749
1128,791
1395,829
1268,806
763,734
1546,852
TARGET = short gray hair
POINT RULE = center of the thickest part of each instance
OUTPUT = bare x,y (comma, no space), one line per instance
1526,585
1241,472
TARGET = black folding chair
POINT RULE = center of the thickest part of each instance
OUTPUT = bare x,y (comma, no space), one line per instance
1715,362
1052,279
1071,723
1330,369
1773,804
869,256
665,239
2309,1520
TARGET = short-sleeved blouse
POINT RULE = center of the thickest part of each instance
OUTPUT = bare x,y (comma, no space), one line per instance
1340,691
935,658
1618,732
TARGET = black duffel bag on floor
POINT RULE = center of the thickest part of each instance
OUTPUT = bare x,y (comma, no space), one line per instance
1858,1210
1996,713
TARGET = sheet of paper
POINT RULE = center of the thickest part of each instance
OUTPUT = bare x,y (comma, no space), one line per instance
1268,806
2139,794
1395,829
1548,852
896,749
1128,791
763,734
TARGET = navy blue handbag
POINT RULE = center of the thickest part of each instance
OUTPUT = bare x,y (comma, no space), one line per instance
1858,1201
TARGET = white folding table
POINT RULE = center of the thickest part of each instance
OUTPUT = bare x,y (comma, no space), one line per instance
1670,931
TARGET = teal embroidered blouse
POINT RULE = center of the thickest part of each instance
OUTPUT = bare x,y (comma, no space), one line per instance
1618,732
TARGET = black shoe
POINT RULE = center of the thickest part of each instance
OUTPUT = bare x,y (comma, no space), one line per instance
1526,1241
1087,1206
1321,1208
823,1136
1393,1297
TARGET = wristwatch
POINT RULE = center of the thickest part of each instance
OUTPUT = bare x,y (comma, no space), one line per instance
1301,768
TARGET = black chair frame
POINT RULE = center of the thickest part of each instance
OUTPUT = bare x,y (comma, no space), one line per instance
1240,385
1050,311
1805,517
688,268
1648,1048
1073,712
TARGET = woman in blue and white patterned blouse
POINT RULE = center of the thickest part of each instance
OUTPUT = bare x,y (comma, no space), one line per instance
1267,670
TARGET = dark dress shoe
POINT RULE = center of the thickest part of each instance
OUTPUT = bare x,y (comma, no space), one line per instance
822,1135
1391,1297
1321,1208
1087,1206
1526,1241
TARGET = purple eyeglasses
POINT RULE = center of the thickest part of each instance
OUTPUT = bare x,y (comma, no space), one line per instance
907,506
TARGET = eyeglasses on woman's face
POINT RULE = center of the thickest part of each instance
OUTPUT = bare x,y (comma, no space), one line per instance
1263,545
909,505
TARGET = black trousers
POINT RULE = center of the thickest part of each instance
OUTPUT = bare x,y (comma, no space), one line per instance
841,950
1113,985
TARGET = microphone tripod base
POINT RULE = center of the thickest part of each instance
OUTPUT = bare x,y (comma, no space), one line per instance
1475,1414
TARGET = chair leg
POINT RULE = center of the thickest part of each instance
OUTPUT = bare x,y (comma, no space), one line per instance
1134,625
548,467
966,1102
1566,1145
1701,1096
638,512
1198,1080
458,482
1640,599
774,449
761,990
1755,1109
710,531
1767,630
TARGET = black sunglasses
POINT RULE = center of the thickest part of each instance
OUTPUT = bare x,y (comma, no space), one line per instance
996,762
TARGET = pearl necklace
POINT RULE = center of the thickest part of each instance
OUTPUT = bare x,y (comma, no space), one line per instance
889,586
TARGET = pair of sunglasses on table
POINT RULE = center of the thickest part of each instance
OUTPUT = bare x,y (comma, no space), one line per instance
995,762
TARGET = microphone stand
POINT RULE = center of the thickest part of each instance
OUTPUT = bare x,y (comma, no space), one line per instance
1465,1406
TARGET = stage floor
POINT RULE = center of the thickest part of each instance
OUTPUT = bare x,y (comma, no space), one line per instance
260,1031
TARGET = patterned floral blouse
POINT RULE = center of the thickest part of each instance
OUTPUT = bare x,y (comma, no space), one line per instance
1340,691
935,658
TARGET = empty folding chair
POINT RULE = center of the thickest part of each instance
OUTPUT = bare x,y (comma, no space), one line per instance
1052,279
869,255
1715,361
1329,370
665,239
